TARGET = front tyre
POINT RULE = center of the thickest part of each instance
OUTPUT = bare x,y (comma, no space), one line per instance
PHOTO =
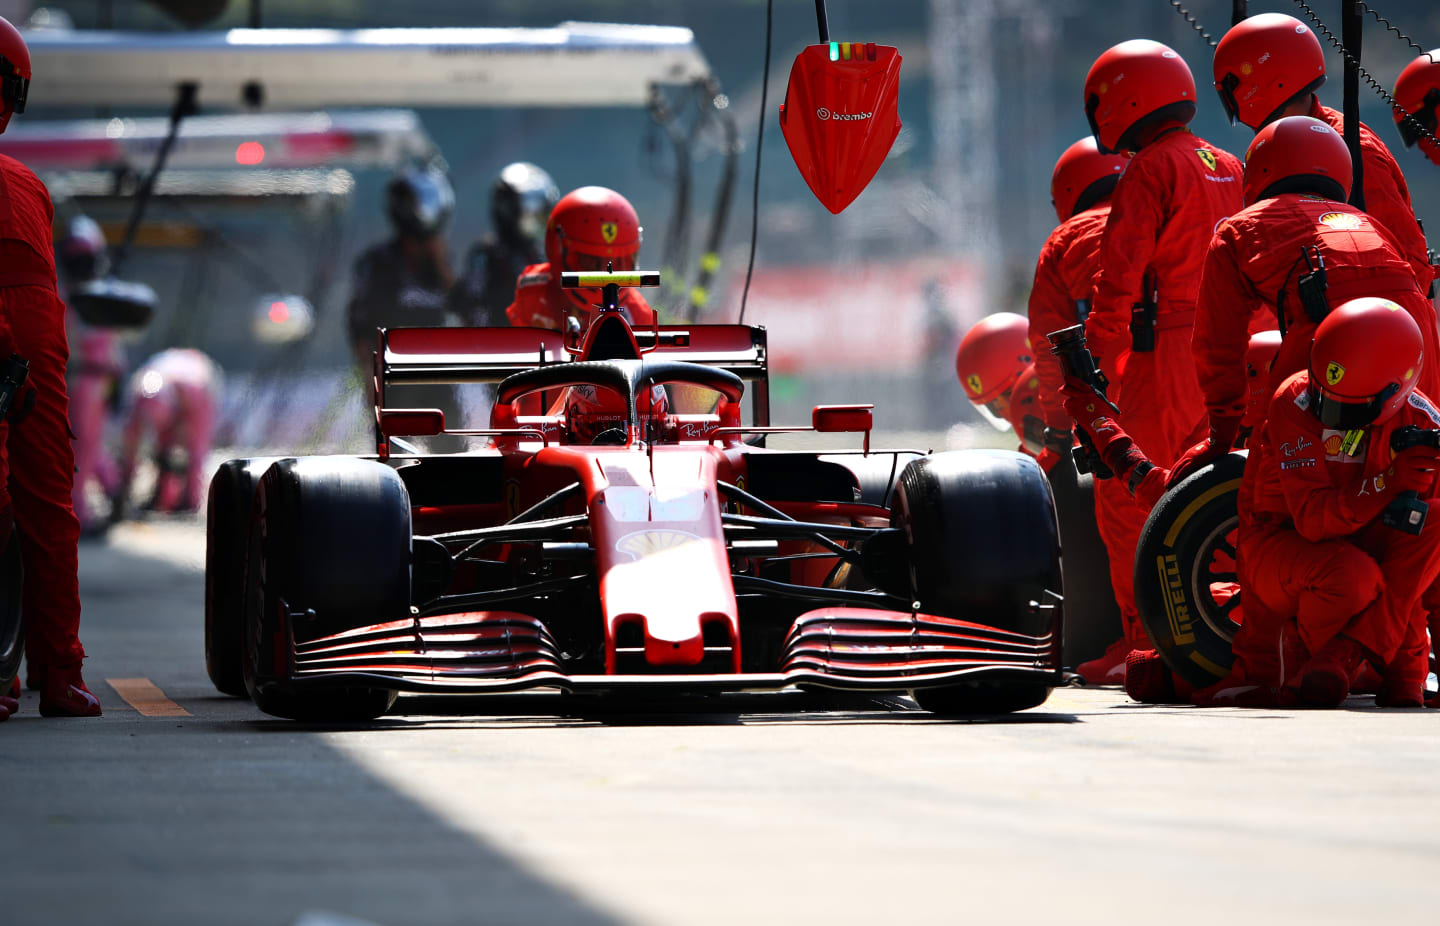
330,536
227,535
983,546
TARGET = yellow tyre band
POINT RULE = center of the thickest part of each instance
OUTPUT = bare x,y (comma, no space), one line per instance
1232,485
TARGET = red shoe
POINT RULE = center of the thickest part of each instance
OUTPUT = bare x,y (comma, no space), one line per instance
1397,691
1325,679
64,694
8,706
1148,680
1108,669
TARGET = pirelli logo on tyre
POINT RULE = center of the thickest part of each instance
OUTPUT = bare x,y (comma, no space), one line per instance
1177,613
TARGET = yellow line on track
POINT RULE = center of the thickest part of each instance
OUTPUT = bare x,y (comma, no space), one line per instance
145,697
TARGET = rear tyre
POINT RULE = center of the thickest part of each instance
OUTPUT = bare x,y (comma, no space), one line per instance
982,544
227,534
329,535
1186,582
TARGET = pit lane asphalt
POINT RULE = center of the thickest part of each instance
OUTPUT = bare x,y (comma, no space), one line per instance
1089,809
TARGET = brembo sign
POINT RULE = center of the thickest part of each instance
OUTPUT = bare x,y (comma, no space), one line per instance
825,115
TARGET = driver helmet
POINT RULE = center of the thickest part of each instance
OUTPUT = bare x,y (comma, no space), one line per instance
1364,363
1135,86
520,203
419,201
1417,92
82,252
1264,64
1297,154
14,72
589,229
992,356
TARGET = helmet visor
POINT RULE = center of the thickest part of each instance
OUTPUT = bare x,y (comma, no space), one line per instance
1347,414
1092,106
1033,438
1226,89
997,412
1410,133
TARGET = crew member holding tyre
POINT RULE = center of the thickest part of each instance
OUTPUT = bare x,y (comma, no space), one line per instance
1139,96
37,462
1296,249
1324,550
1268,67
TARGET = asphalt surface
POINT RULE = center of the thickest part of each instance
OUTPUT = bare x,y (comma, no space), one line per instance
524,809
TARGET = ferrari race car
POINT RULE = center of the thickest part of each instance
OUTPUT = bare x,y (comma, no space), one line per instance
645,541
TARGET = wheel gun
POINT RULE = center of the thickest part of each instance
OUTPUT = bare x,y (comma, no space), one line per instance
1069,345
1407,512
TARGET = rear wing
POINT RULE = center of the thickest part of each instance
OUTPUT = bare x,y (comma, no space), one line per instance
443,356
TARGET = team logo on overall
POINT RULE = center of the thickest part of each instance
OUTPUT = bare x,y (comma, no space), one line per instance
1206,157
973,381
609,231
1334,372
1342,220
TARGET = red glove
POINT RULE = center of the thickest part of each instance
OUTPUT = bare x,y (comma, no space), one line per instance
1413,469
1222,438
1092,416
1047,459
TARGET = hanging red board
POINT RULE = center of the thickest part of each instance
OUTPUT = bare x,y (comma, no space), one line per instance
841,115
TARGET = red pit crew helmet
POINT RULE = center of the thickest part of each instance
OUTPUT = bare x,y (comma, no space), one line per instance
1364,363
1297,154
1133,86
1259,358
14,72
1417,92
1263,64
1026,415
1083,177
991,358
589,229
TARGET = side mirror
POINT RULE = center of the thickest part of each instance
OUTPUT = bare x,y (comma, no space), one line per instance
112,303
411,422
832,419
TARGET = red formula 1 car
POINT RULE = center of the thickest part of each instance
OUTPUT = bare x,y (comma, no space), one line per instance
629,539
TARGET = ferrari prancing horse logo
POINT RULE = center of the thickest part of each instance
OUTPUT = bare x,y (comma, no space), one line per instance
609,231
1206,157
1334,372
973,381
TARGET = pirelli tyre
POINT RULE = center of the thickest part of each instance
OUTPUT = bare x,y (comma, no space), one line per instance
12,628
983,546
329,538
227,534
1186,583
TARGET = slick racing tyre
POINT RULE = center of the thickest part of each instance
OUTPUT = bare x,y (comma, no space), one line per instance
227,533
983,546
1186,583
12,626
329,535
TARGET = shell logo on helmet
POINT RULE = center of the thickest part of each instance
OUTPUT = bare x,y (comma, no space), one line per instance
1206,158
1334,372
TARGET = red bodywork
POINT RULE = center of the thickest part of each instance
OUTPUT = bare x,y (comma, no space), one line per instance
657,520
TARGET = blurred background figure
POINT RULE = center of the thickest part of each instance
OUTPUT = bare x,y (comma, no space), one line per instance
173,401
520,204
97,366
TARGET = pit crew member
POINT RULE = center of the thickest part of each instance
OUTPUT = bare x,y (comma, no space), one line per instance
1268,67
520,204
37,463
1139,96
174,399
989,361
1417,92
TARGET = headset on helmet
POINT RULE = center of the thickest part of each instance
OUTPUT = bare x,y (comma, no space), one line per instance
419,201
1417,92
520,202
1134,86
14,72
1297,154
991,357
1083,177
1364,363
1263,64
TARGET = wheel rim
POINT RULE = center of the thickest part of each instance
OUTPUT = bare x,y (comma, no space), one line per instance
1215,580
